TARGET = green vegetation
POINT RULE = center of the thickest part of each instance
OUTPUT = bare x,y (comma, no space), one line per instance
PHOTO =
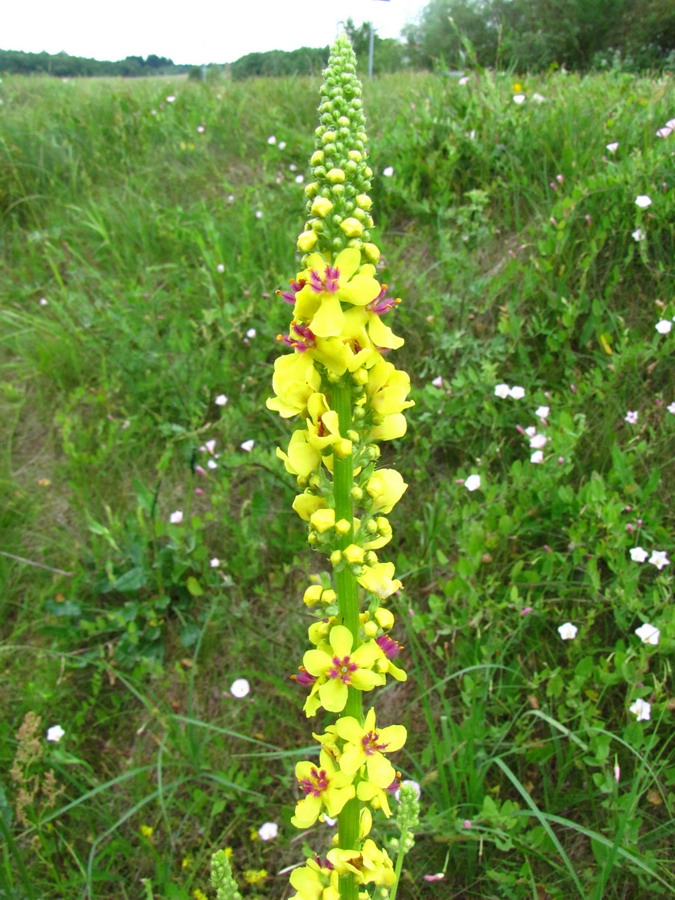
144,238
16,62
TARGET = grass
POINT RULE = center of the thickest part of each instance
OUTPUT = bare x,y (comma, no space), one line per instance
138,268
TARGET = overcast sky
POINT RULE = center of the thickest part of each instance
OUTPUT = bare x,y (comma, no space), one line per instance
189,31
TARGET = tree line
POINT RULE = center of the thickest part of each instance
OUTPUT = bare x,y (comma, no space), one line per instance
65,66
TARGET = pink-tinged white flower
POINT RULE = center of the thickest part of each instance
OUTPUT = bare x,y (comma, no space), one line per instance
388,171
43,301
671,124
271,140
210,446
502,390
638,235
537,98
437,381
613,147
671,407
530,431
537,457
220,400
170,98
472,483
230,199
643,201
542,412
538,441
176,517
641,709
55,733
664,132
412,784
517,392
466,823
240,688
664,326
616,771
200,129
299,179
212,464
258,213
214,563
567,631
220,268
268,831
631,417
281,145
251,333
463,80
518,99
638,554
439,876
659,558
247,445
648,634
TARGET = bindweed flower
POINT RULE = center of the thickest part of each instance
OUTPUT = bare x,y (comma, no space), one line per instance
240,688
388,171
659,558
518,99
472,483
613,147
643,201
567,631
176,517
55,733
671,408
637,554
664,326
517,392
502,390
648,634
537,457
542,412
638,235
247,446
641,709
439,876
221,400
268,831
631,417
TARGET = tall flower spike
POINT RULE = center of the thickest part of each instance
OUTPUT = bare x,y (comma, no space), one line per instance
347,396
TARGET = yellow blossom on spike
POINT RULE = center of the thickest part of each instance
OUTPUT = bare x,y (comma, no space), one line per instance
336,668
322,520
306,241
352,227
305,505
324,787
379,580
294,381
321,206
386,487
366,746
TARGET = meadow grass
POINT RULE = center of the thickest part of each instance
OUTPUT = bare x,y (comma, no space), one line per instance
143,240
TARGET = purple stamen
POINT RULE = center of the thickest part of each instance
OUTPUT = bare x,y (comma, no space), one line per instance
370,745
316,784
342,669
382,304
328,282
289,296
389,647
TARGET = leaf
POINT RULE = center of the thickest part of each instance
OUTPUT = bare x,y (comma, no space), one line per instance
132,580
194,587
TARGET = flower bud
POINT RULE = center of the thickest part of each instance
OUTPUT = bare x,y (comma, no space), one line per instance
372,252
370,629
364,201
328,137
311,188
357,494
352,227
353,554
329,596
335,176
342,448
342,526
321,206
306,241
336,557
317,157
312,595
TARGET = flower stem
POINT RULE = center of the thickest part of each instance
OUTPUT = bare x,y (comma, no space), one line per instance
348,611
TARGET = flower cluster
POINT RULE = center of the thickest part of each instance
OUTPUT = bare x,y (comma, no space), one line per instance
338,381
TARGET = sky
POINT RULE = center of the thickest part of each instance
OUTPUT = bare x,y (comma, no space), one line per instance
190,31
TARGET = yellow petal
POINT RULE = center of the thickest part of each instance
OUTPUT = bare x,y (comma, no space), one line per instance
329,318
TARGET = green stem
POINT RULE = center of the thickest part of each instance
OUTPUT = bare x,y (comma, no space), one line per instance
397,870
348,611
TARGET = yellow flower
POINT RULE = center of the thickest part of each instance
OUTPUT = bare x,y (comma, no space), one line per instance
305,504
294,381
324,787
146,831
199,895
386,487
326,284
301,458
379,580
314,883
336,668
368,864
255,876
306,241
366,746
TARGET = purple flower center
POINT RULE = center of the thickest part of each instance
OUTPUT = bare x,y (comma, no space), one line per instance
370,745
289,296
342,669
316,784
305,339
328,282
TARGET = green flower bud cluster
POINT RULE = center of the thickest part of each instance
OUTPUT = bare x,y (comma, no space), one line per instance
222,878
338,204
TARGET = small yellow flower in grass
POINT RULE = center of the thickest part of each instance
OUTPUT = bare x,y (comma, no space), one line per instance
336,669
146,831
186,862
324,787
255,876
366,745
199,895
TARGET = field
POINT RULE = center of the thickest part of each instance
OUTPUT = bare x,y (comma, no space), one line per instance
529,230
